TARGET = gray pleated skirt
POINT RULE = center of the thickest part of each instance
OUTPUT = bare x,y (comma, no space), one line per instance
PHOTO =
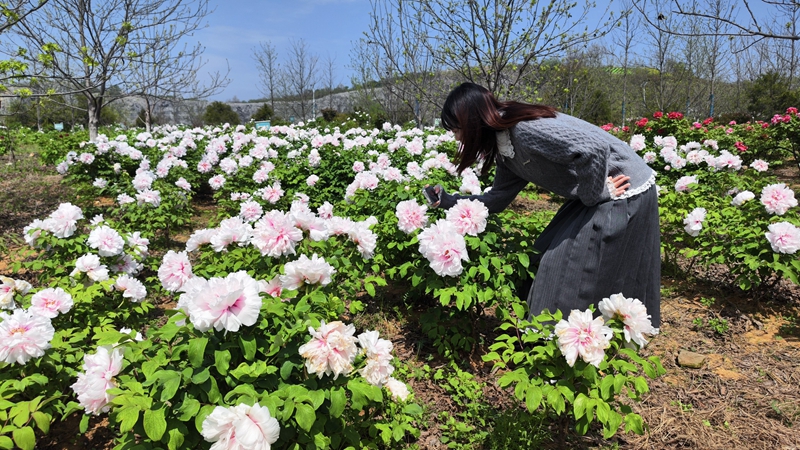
591,252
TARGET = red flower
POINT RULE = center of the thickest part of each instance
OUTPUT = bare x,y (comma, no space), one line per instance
607,126
791,110
626,129
739,145
657,114
708,121
764,125
675,115
642,122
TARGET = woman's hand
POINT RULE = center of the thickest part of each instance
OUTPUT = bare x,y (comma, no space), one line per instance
620,184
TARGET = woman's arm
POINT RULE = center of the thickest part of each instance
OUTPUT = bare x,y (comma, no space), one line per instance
504,190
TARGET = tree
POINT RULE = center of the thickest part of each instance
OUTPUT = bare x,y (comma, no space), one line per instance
749,26
218,113
329,67
495,43
624,37
268,70
11,13
161,69
265,112
301,77
769,94
96,42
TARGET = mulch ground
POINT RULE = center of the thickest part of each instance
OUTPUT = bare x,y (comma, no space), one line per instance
746,395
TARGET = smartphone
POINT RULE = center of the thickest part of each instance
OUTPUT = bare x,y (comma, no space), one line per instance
430,195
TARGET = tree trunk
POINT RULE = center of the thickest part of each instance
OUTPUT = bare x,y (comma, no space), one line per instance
94,119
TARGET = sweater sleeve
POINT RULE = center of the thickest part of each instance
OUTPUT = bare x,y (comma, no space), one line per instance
504,190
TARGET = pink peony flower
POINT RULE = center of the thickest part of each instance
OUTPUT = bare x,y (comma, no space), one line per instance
250,211
379,358
468,216
331,350
222,303
777,198
397,389
198,238
411,216
275,234
90,265
742,197
638,142
272,193
131,288
24,335
306,271
149,197
183,184
759,165
231,230
683,183
312,180
241,427
632,313
63,221
583,336
9,286
694,221
106,241
365,239
175,270
272,287
50,302
444,247
97,378
325,211
784,237
358,166
216,182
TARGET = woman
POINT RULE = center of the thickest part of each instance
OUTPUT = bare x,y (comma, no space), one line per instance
605,239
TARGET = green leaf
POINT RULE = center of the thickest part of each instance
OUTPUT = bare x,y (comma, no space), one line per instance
175,439
248,346
524,259
155,424
42,421
556,401
170,382
127,417
84,425
605,386
614,421
633,422
222,361
6,442
25,438
338,402
197,348
579,406
533,398
305,416
188,409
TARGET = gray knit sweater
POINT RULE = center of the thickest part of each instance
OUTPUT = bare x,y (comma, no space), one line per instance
564,155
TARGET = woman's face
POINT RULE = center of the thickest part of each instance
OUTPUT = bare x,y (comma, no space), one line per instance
457,132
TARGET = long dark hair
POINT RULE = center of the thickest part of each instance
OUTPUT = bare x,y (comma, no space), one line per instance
478,115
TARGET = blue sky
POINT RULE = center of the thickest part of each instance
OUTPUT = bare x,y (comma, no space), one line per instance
236,27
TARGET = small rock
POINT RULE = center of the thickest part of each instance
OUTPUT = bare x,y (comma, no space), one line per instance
691,359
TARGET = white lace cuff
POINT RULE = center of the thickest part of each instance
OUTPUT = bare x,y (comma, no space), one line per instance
631,192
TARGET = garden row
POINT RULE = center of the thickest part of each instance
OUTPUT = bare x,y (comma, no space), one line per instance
259,349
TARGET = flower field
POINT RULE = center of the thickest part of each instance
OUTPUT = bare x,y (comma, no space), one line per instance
263,323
